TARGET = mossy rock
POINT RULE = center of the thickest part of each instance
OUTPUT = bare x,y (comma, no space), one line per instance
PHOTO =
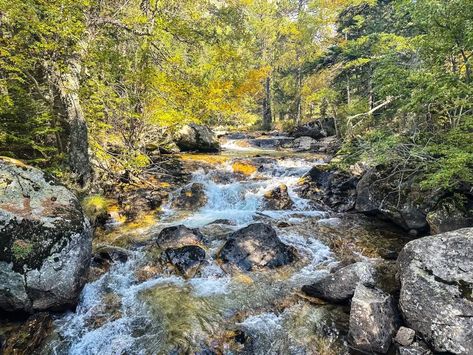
45,243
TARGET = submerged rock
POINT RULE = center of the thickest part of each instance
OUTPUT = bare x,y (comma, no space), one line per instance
194,137
178,236
278,199
217,230
244,167
436,299
191,197
340,286
187,260
373,320
45,244
254,247
417,348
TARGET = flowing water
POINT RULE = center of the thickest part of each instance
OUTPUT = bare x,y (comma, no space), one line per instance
252,313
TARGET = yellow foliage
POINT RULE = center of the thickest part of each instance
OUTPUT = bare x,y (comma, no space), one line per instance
95,206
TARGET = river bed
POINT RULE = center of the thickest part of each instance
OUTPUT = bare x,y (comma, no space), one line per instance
260,312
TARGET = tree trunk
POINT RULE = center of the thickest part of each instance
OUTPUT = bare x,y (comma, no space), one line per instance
299,96
267,115
299,71
74,134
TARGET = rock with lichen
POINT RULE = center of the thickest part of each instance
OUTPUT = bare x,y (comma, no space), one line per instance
436,297
45,243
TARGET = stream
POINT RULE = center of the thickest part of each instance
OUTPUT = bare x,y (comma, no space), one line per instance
258,312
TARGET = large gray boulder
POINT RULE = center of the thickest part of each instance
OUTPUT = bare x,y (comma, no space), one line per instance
373,320
194,137
45,243
436,299
340,285
255,247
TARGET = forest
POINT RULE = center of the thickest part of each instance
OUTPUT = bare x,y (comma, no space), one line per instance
236,177
112,77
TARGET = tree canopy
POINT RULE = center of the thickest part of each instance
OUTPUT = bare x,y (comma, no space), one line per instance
109,77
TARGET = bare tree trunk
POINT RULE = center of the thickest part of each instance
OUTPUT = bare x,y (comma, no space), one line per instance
267,114
299,96
74,134
299,71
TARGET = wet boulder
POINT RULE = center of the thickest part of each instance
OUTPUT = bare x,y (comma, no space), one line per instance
46,242
255,247
436,298
194,137
187,260
278,199
191,197
178,236
270,142
134,202
332,188
340,285
103,257
373,320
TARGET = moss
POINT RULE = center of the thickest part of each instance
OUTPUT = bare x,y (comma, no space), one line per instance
245,168
95,206
21,249
212,159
